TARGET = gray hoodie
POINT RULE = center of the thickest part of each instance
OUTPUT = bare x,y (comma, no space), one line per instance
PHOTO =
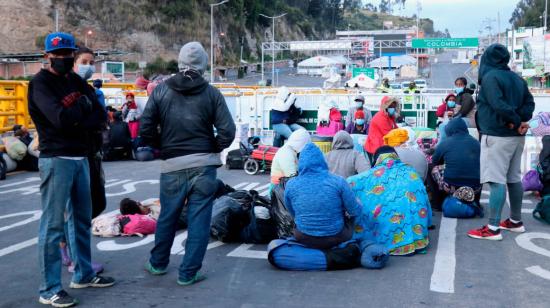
343,160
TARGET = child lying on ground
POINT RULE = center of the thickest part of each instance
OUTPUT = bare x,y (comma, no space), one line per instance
129,207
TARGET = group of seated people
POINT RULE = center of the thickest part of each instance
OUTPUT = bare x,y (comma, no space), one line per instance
19,151
382,197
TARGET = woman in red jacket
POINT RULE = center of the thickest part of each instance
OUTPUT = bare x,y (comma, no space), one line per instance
382,123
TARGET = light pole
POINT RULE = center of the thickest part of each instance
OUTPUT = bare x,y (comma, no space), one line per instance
212,5
273,43
88,33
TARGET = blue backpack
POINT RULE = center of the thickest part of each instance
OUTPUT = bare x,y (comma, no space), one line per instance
454,208
287,254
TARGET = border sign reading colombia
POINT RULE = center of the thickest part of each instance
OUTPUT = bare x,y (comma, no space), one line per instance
469,42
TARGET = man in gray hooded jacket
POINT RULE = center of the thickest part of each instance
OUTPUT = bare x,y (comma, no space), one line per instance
343,160
186,109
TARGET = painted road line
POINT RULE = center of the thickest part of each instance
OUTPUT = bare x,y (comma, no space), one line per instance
486,201
115,183
17,247
243,251
527,211
251,186
111,180
443,276
35,216
263,187
238,186
131,187
525,241
27,180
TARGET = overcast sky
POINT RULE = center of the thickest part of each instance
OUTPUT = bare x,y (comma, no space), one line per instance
463,18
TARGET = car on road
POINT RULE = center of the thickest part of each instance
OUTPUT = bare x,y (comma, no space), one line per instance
421,83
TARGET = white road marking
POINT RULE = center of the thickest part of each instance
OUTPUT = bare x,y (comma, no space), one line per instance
238,186
115,183
18,246
266,186
539,271
112,245
243,251
131,187
525,241
177,246
251,186
486,201
111,180
35,216
27,190
443,275
27,180
527,211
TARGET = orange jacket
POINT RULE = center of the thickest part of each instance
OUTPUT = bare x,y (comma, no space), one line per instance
380,125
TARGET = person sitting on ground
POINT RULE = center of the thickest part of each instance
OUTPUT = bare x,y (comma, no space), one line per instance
382,123
445,111
343,160
284,115
119,143
404,142
359,105
466,105
359,125
459,153
544,166
130,207
320,218
22,133
399,210
285,162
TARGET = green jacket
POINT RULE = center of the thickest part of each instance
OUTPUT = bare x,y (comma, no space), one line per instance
504,97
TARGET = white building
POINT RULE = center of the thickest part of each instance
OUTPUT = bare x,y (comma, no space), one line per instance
515,40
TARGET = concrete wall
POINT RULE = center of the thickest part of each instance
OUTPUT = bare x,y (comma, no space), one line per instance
10,70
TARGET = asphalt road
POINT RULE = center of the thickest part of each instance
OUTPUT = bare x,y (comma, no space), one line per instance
456,271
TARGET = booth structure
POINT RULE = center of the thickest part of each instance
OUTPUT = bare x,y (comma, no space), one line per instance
323,66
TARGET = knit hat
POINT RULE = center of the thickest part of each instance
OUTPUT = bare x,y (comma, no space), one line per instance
193,56
130,94
449,96
359,114
396,137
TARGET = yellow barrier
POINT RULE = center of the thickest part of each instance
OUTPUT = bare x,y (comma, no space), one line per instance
13,105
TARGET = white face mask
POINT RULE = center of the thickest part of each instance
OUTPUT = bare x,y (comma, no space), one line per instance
85,71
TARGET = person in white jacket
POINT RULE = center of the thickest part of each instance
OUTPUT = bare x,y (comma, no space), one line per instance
284,115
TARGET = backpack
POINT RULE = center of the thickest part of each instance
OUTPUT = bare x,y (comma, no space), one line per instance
106,226
290,255
454,208
137,224
15,148
531,181
540,124
542,211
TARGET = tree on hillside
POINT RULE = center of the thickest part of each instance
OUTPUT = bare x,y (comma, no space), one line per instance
528,13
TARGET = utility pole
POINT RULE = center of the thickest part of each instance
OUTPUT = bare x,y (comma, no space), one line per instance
212,5
498,21
544,34
273,43
418,9
56,20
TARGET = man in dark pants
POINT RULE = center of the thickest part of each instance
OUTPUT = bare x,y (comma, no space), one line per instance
65,112
187,109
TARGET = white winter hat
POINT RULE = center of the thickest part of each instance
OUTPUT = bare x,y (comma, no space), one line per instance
298,140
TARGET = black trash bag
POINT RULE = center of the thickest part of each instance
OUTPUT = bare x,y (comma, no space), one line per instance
229,218
3,168
259,231
284,222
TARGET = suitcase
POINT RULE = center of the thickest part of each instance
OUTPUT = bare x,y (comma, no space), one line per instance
235,160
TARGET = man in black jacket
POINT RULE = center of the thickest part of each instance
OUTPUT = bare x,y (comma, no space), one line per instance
66,112
504,107
187,109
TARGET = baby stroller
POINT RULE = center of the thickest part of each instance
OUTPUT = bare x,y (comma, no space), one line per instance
258,157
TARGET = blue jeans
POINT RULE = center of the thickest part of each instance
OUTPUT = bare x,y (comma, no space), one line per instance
196,187
65,186
286,130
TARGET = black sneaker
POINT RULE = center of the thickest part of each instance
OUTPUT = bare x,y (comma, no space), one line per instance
96,282
61,299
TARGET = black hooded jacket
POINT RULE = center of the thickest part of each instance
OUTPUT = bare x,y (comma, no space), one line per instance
187,109
466,100
504,97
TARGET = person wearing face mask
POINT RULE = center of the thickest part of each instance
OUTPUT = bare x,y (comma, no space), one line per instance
466,105
382,123
359,126
359,104
385,86
446,109
66,112
131,114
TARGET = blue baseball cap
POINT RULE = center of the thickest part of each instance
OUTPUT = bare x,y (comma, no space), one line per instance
59,40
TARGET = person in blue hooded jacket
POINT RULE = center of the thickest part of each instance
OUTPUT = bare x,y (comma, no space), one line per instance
504,107
320,218
459,153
